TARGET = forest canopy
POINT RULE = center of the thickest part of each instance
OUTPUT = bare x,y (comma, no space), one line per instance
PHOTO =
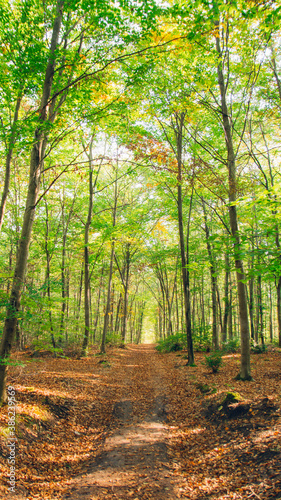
140,175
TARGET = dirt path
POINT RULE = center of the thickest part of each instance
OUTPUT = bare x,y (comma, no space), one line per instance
136,424
133,463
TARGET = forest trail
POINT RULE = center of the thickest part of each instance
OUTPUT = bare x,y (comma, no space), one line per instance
133,463
136,424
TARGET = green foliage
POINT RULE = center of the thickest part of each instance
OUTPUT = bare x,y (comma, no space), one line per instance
44,345
258,348
230,398
206,389
172,343
232,345
214,361
202,339
8,362
112,339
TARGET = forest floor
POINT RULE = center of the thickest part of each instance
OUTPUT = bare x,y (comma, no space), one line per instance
136,424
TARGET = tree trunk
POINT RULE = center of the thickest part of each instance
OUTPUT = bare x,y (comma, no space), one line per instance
108,299
230,319
48,274
270,315
279,309
87,291
9,160
245,368
64,293
184,252
261,331
86,265
215,339
98,306
226,298
36,165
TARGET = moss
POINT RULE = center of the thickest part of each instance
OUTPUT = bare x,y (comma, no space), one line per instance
230,398
204,388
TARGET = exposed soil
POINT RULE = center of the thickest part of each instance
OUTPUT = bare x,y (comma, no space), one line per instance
133,462
136,424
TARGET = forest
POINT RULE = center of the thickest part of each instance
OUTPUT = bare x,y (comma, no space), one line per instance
140,183
140,174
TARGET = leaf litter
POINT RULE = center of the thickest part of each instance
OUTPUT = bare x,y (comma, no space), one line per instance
146,427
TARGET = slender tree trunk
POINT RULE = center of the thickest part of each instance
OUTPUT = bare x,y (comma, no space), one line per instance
36,165
9,160
230,319
251,306
98,306
270,315
48,274
202,295
118,315
86,265
193,324
126,292
226,298
64,293
79,298
108,299
87,291
215,339
178,129
245,368
63,285
177,309
260,309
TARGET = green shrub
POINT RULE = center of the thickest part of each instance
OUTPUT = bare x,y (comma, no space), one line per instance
202,338
44,345
214,361
172,343
258,348
112,339
232,345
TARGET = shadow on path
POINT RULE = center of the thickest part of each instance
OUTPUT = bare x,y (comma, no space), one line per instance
134,462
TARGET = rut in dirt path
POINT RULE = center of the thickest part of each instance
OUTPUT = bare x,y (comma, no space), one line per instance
133,463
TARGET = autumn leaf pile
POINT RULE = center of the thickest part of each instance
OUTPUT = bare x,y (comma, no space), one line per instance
65,411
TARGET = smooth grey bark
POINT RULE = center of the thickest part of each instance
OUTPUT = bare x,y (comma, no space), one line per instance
245,368
36,166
